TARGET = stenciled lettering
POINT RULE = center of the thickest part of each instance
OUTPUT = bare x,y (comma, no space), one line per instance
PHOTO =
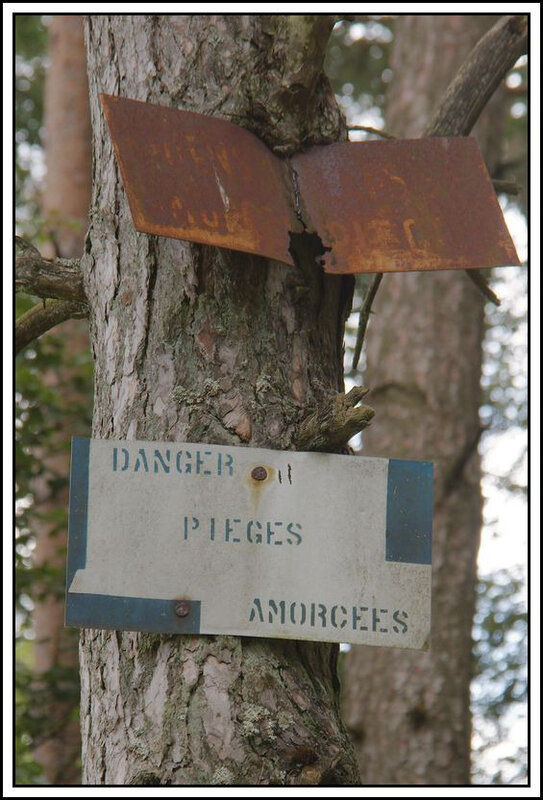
163,459
254,537
297,617
166,461
321,615
141,461
229,528
400,617
375,619
271,532
225,462
190,523
358,616
256,609
125,459
275,609
333,616
235,530
294,533
318,612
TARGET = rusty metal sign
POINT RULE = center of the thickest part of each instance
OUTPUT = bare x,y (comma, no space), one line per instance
173,537
387,206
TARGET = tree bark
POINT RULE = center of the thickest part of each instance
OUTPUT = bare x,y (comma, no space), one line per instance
193,343
65,205
409,711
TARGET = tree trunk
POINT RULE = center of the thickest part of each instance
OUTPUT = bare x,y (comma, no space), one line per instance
409,711
194,343
66,193
65,206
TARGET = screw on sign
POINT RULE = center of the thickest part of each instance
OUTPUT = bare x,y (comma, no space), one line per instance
182,608
259,474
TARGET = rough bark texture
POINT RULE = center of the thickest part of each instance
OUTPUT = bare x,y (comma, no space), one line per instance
65,205
199,344
409,711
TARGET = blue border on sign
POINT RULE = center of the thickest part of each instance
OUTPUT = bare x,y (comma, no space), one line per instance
410,506
130,614
79,500
111,612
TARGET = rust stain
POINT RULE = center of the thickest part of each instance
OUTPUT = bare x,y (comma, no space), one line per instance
387,206
257,485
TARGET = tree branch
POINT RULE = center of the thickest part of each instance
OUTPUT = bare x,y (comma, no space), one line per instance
44,316
479,77
58,278
505,187
329,427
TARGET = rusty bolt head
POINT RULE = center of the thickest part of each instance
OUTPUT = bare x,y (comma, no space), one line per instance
259,474
182,608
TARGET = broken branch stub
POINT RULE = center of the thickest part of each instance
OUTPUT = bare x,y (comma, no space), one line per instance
389,206
330,426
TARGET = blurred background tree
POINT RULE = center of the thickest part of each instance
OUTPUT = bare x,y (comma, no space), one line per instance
54,390
54,377
412,705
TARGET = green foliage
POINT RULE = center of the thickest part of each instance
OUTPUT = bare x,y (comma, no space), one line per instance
499,688
45,418
499,642
358,67
504,380
27,771
34,720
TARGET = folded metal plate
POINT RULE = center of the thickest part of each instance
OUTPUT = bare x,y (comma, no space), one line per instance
388,206
200,178
422,204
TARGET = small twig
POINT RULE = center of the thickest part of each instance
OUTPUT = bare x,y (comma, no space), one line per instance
505,187
478,279
453,473
44,316
329,427
375,131
365,312
58,282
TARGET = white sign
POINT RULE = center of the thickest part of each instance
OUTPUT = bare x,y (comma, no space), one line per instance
198,538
